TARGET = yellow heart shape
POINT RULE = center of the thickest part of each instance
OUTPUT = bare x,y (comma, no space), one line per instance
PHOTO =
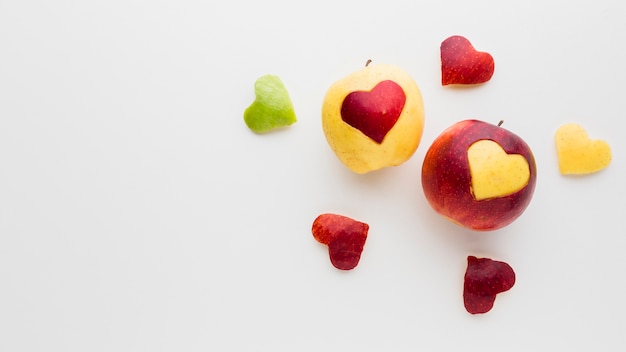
577,153
494,172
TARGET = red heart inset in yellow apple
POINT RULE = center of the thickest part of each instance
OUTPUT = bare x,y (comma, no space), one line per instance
374,112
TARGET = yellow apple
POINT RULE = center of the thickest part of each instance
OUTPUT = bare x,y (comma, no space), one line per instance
373,118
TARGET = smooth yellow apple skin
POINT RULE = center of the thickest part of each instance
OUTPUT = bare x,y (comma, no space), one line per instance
577,153
354,149
494,172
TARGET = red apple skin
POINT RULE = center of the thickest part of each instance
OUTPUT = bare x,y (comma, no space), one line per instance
344,236
484,279
462,64
375,112
446,177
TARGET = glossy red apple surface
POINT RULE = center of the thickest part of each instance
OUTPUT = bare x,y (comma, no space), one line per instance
451,185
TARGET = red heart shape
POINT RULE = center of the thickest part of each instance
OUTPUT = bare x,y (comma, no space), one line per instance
484,279
344,236
374,112
462,64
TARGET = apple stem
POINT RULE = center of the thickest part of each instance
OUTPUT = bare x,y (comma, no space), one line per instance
369,61
500,123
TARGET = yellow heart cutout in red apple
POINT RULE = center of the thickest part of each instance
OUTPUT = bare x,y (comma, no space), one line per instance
495,173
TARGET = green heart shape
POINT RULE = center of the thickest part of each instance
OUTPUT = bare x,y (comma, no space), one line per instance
272,107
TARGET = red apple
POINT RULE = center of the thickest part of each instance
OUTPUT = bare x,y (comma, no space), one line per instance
462,64
480,176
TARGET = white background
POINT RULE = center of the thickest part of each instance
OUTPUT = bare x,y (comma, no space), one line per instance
138,212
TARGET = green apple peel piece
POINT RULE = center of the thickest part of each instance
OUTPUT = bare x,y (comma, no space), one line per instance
272,107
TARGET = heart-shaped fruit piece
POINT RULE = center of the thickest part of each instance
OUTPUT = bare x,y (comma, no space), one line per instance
462,64
484,279
494,172
344,236
272,107
375,112
577,153
373,118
